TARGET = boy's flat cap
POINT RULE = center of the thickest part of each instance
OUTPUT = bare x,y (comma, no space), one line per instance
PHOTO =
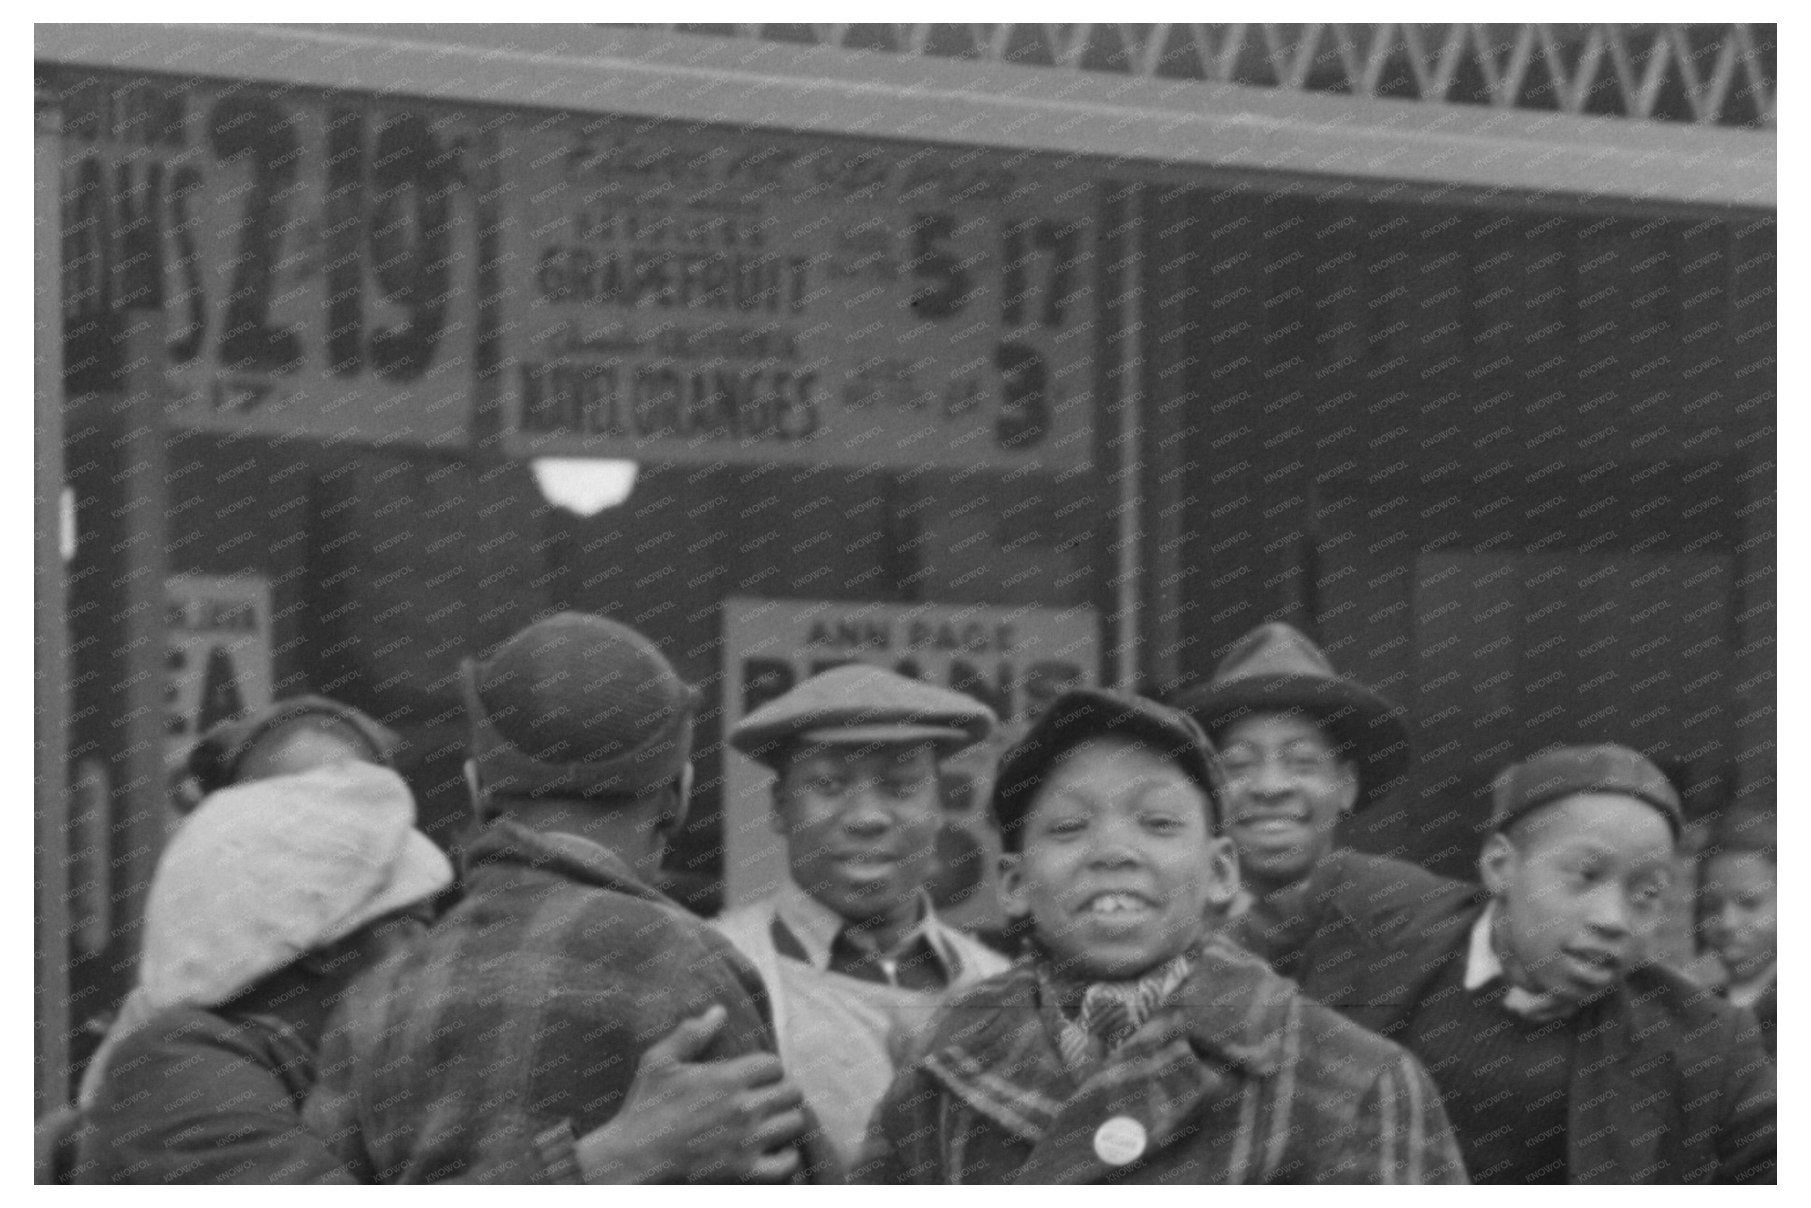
860,705
1564,771
1084,713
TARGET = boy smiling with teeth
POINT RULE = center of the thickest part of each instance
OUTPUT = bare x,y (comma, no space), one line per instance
1136,1044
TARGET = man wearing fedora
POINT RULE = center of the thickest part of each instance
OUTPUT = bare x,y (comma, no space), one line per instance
1303,747
852,953
566,1022
1562,1053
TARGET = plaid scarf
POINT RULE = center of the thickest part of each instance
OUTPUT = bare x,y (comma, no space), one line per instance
1107,1013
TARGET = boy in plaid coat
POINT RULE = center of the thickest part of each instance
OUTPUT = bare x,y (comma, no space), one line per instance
1136,1045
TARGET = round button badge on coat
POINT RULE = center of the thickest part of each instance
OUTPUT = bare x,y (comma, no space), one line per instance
1119,1141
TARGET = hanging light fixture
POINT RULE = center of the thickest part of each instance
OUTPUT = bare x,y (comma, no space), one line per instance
584,486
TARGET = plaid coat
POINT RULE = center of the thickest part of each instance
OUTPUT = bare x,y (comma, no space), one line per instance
518,1024
1236,1079
1670,1083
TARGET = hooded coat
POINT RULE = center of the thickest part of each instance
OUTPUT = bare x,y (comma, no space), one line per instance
206,1082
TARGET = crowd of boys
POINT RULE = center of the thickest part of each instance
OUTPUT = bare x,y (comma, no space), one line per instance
1210,989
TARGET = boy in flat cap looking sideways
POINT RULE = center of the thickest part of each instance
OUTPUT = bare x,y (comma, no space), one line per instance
1137,1045
1562,1055
854,957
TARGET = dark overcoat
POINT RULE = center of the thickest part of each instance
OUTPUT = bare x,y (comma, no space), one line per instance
1670,1084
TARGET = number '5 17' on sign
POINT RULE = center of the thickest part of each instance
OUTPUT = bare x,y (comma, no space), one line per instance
852,306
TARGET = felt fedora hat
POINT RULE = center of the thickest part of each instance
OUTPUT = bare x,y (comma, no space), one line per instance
1276,669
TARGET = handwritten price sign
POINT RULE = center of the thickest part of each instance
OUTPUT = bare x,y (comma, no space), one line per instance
315,261
740,296
652,292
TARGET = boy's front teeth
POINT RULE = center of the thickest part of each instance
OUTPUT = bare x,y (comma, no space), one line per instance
1114,903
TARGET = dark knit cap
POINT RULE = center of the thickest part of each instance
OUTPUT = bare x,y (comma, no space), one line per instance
1084,713
578,706
1565,771
214,761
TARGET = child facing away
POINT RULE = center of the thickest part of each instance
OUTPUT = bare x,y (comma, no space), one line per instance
1136,1044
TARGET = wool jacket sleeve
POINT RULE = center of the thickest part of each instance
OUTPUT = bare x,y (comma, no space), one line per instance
904,1143
197,1099
1747,1141
363,1109
1398,1134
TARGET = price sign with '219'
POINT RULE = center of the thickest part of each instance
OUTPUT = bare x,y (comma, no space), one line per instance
362,269
314,261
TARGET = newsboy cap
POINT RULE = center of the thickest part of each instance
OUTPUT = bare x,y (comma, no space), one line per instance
1084,713
861,705
1564,771
214,761
578,706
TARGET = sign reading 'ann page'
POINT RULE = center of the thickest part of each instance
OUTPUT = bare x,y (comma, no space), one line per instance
692,295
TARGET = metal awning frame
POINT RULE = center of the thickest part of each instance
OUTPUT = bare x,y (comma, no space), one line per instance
1160,131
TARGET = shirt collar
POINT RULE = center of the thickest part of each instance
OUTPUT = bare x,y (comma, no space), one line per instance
1747,993
1483,966
816,926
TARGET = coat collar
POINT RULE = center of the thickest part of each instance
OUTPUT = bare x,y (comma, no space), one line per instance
998,1052
506,843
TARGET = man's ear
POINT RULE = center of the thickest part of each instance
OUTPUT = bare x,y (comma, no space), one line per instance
1222,872
674,816
1496,863
1012,884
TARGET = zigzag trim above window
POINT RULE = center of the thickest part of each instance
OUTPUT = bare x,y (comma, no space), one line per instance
1708,75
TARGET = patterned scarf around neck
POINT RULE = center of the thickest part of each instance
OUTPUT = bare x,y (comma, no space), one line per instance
1109,1012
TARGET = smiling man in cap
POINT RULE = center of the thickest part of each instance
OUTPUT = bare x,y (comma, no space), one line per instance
1563,1055
854,957
1303,747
